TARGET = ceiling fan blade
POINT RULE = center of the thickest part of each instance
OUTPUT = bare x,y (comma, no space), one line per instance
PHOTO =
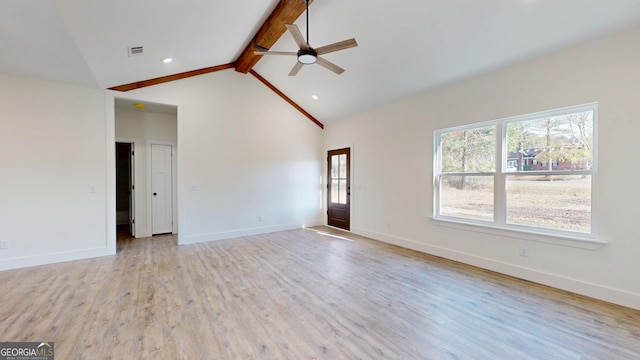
341,45
297,36
329,65
296,69
275,53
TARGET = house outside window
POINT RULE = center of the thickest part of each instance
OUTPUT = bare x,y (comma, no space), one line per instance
532,172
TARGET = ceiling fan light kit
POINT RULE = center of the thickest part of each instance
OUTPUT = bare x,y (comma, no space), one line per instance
307,55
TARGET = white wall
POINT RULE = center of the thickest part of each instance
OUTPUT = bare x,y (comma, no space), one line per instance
244,154
139,124
52,154
393,167
248,154
143,128
244,151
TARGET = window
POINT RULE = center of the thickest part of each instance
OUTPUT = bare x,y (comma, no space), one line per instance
533,172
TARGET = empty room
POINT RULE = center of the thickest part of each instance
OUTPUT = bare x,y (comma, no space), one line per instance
292,179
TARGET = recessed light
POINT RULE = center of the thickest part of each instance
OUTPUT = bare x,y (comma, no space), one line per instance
167,60
138,106
314,97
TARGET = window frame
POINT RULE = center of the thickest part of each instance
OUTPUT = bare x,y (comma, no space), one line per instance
501,173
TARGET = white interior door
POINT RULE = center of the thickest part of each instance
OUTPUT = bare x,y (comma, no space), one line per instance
161,189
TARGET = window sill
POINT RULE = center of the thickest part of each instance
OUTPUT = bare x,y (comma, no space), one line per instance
576,241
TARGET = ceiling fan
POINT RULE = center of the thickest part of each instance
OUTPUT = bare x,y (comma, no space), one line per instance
308,55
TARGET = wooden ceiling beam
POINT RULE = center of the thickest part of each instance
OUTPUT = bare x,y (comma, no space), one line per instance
286,12
174,77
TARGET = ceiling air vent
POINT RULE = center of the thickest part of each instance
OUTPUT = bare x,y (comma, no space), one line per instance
135,50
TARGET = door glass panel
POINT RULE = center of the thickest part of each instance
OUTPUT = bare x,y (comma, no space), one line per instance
339,179
334,192
342,198
343,166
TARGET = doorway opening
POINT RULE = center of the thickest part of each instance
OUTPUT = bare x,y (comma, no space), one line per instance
146,193
125,199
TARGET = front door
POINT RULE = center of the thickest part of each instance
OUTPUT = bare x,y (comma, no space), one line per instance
161,189
339,188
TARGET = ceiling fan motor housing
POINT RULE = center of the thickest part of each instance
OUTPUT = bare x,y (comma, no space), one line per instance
307,57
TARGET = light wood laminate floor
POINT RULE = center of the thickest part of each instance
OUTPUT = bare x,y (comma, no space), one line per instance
301,294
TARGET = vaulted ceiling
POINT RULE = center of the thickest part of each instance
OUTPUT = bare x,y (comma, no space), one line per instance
405,47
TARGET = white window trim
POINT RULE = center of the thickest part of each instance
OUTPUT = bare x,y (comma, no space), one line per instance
499,226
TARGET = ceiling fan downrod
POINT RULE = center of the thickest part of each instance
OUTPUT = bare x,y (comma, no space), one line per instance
307,56
307,1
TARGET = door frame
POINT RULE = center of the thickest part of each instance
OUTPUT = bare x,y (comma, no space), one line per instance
349,151
174,180
110,155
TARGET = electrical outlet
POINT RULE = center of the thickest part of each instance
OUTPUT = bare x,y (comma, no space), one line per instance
259,218
4,245
523,251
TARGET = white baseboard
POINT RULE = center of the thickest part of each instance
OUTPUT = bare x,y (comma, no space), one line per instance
313,223
612,295
52,258
22,262
194,239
